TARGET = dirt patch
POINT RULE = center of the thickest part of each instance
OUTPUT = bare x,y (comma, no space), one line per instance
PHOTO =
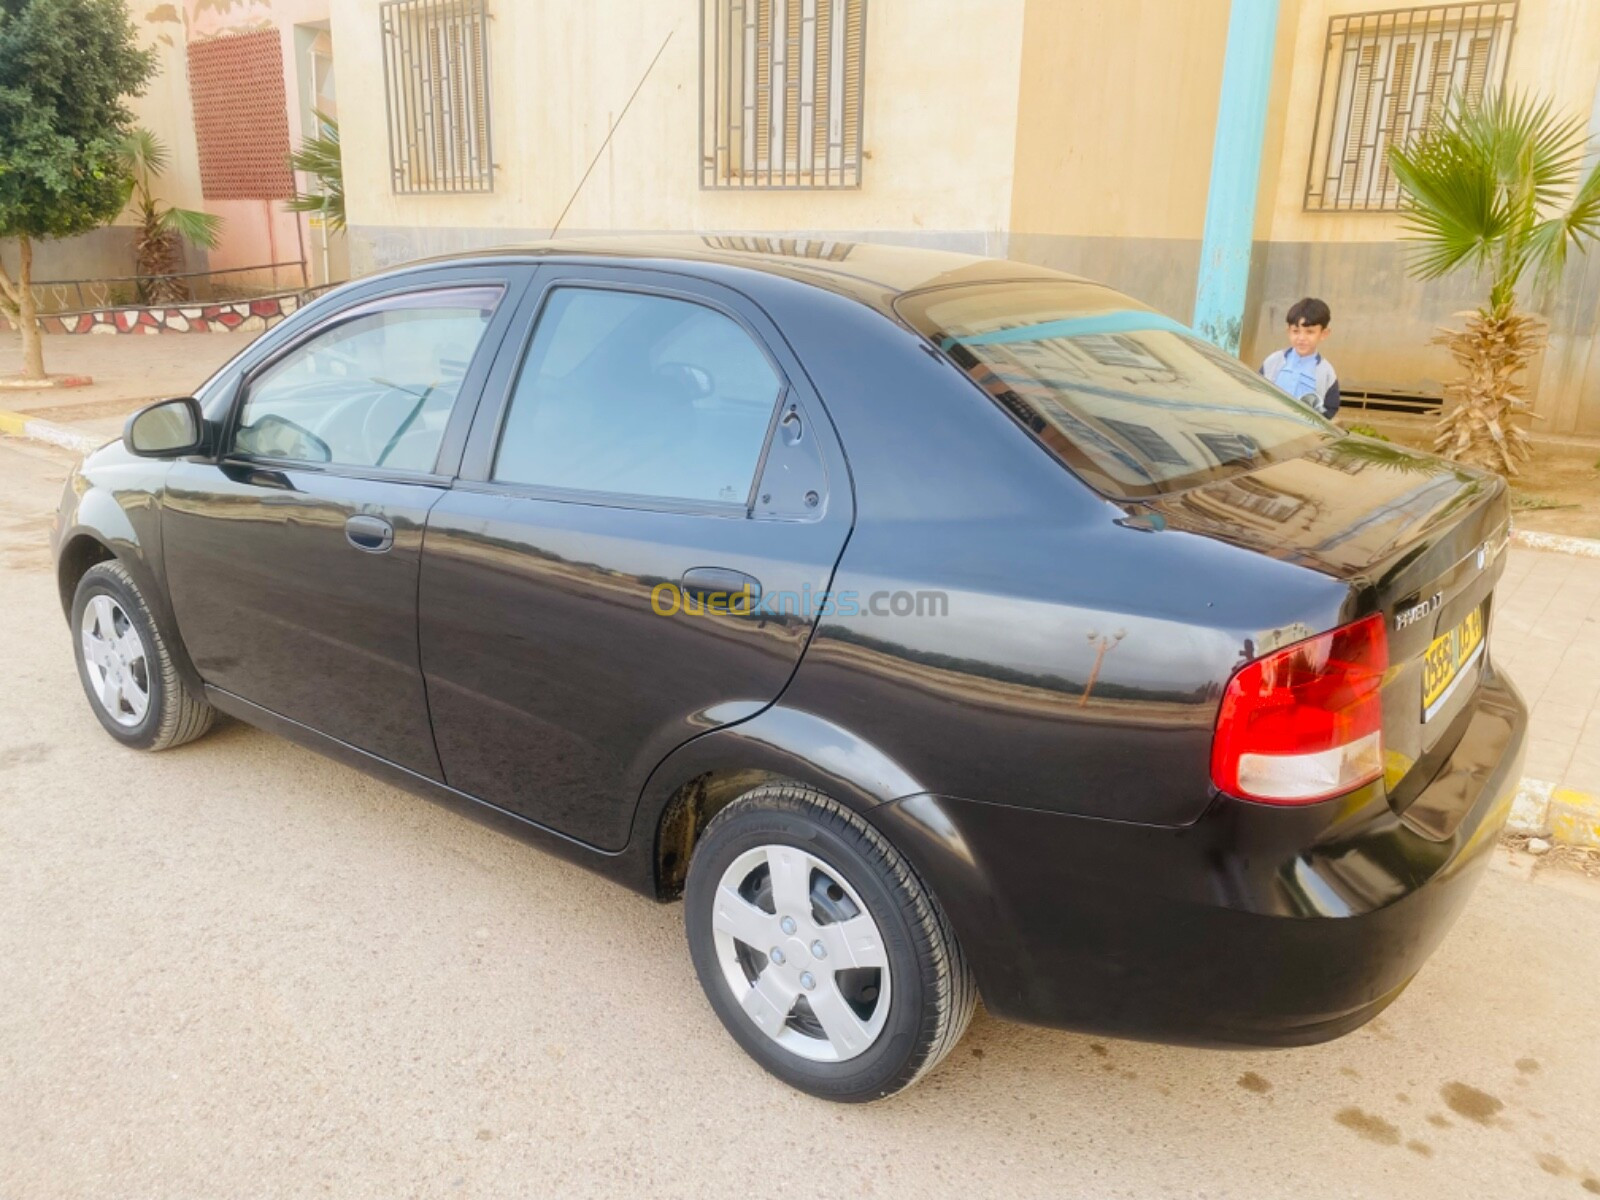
1421,1148
1374,1129
1527,1065
1584,859
1251,1082
1558,494
1470,1102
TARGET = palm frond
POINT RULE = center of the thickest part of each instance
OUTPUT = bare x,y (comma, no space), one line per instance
1580,223
320,158
198,228
142,151
1482,185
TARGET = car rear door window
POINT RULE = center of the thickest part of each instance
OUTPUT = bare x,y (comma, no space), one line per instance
1134,403
637,394
375,388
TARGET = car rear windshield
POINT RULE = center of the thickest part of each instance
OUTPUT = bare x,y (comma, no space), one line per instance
1134,403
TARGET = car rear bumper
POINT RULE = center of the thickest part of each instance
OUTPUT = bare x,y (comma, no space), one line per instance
1253,926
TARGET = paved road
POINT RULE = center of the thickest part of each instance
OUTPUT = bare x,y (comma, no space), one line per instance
240,970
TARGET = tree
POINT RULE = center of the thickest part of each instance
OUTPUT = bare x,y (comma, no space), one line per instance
319,157
65,68
161,227
1495,189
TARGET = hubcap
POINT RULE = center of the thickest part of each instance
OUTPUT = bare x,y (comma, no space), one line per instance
801,953
115,661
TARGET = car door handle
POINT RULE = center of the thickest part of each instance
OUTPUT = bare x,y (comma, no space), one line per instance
712,583
372,534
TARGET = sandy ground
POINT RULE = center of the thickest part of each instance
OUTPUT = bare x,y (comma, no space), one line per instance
238,969
129,372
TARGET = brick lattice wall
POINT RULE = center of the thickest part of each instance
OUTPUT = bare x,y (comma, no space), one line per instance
241,116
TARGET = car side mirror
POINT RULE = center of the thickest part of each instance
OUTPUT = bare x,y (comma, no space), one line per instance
168,429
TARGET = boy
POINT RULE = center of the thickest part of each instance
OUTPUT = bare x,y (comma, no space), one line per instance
1301,370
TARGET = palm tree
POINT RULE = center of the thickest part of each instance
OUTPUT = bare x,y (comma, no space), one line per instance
319,157
162,228
1495,189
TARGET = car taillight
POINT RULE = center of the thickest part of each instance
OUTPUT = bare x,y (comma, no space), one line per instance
1306,722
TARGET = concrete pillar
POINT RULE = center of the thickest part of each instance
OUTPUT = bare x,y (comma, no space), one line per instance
1235,172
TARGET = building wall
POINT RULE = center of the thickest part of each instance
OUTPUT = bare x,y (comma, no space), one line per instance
1074,133
1113,145
99,254
938,131
1385,321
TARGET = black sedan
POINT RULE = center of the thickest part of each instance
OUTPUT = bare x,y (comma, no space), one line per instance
935,627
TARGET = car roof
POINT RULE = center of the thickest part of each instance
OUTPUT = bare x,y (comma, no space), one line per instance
873,272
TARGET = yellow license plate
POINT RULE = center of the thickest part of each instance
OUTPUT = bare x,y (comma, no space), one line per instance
1448,655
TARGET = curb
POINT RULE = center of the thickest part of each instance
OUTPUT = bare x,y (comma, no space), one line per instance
1560,543
1564,816
22,425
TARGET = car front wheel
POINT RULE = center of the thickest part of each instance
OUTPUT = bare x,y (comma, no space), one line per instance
820,950
125,667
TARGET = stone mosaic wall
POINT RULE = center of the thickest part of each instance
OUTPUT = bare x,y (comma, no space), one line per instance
247,316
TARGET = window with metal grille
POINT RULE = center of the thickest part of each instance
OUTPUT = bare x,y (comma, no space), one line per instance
1389,76
780,93
436,86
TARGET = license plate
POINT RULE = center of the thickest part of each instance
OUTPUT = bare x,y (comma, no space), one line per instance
1447,657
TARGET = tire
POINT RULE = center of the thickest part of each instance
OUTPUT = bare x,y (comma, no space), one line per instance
144,703
879,1024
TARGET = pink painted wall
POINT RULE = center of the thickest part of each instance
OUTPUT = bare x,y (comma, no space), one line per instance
257,231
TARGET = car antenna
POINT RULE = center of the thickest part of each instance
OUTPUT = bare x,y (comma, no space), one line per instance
611,131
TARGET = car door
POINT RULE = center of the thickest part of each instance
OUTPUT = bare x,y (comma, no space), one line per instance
292,559
652,450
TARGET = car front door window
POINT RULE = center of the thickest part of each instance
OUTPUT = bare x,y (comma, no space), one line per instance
637,394
375,389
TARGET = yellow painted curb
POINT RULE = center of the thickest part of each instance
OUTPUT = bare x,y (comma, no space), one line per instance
1574,818
21,425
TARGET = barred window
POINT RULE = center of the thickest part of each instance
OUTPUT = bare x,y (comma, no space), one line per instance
436,86
780,93
1389,76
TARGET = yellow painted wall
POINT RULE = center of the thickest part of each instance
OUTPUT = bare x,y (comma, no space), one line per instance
1118,106
164,108
938,127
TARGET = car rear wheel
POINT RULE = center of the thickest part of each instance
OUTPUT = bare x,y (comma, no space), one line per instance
125,667
823,954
